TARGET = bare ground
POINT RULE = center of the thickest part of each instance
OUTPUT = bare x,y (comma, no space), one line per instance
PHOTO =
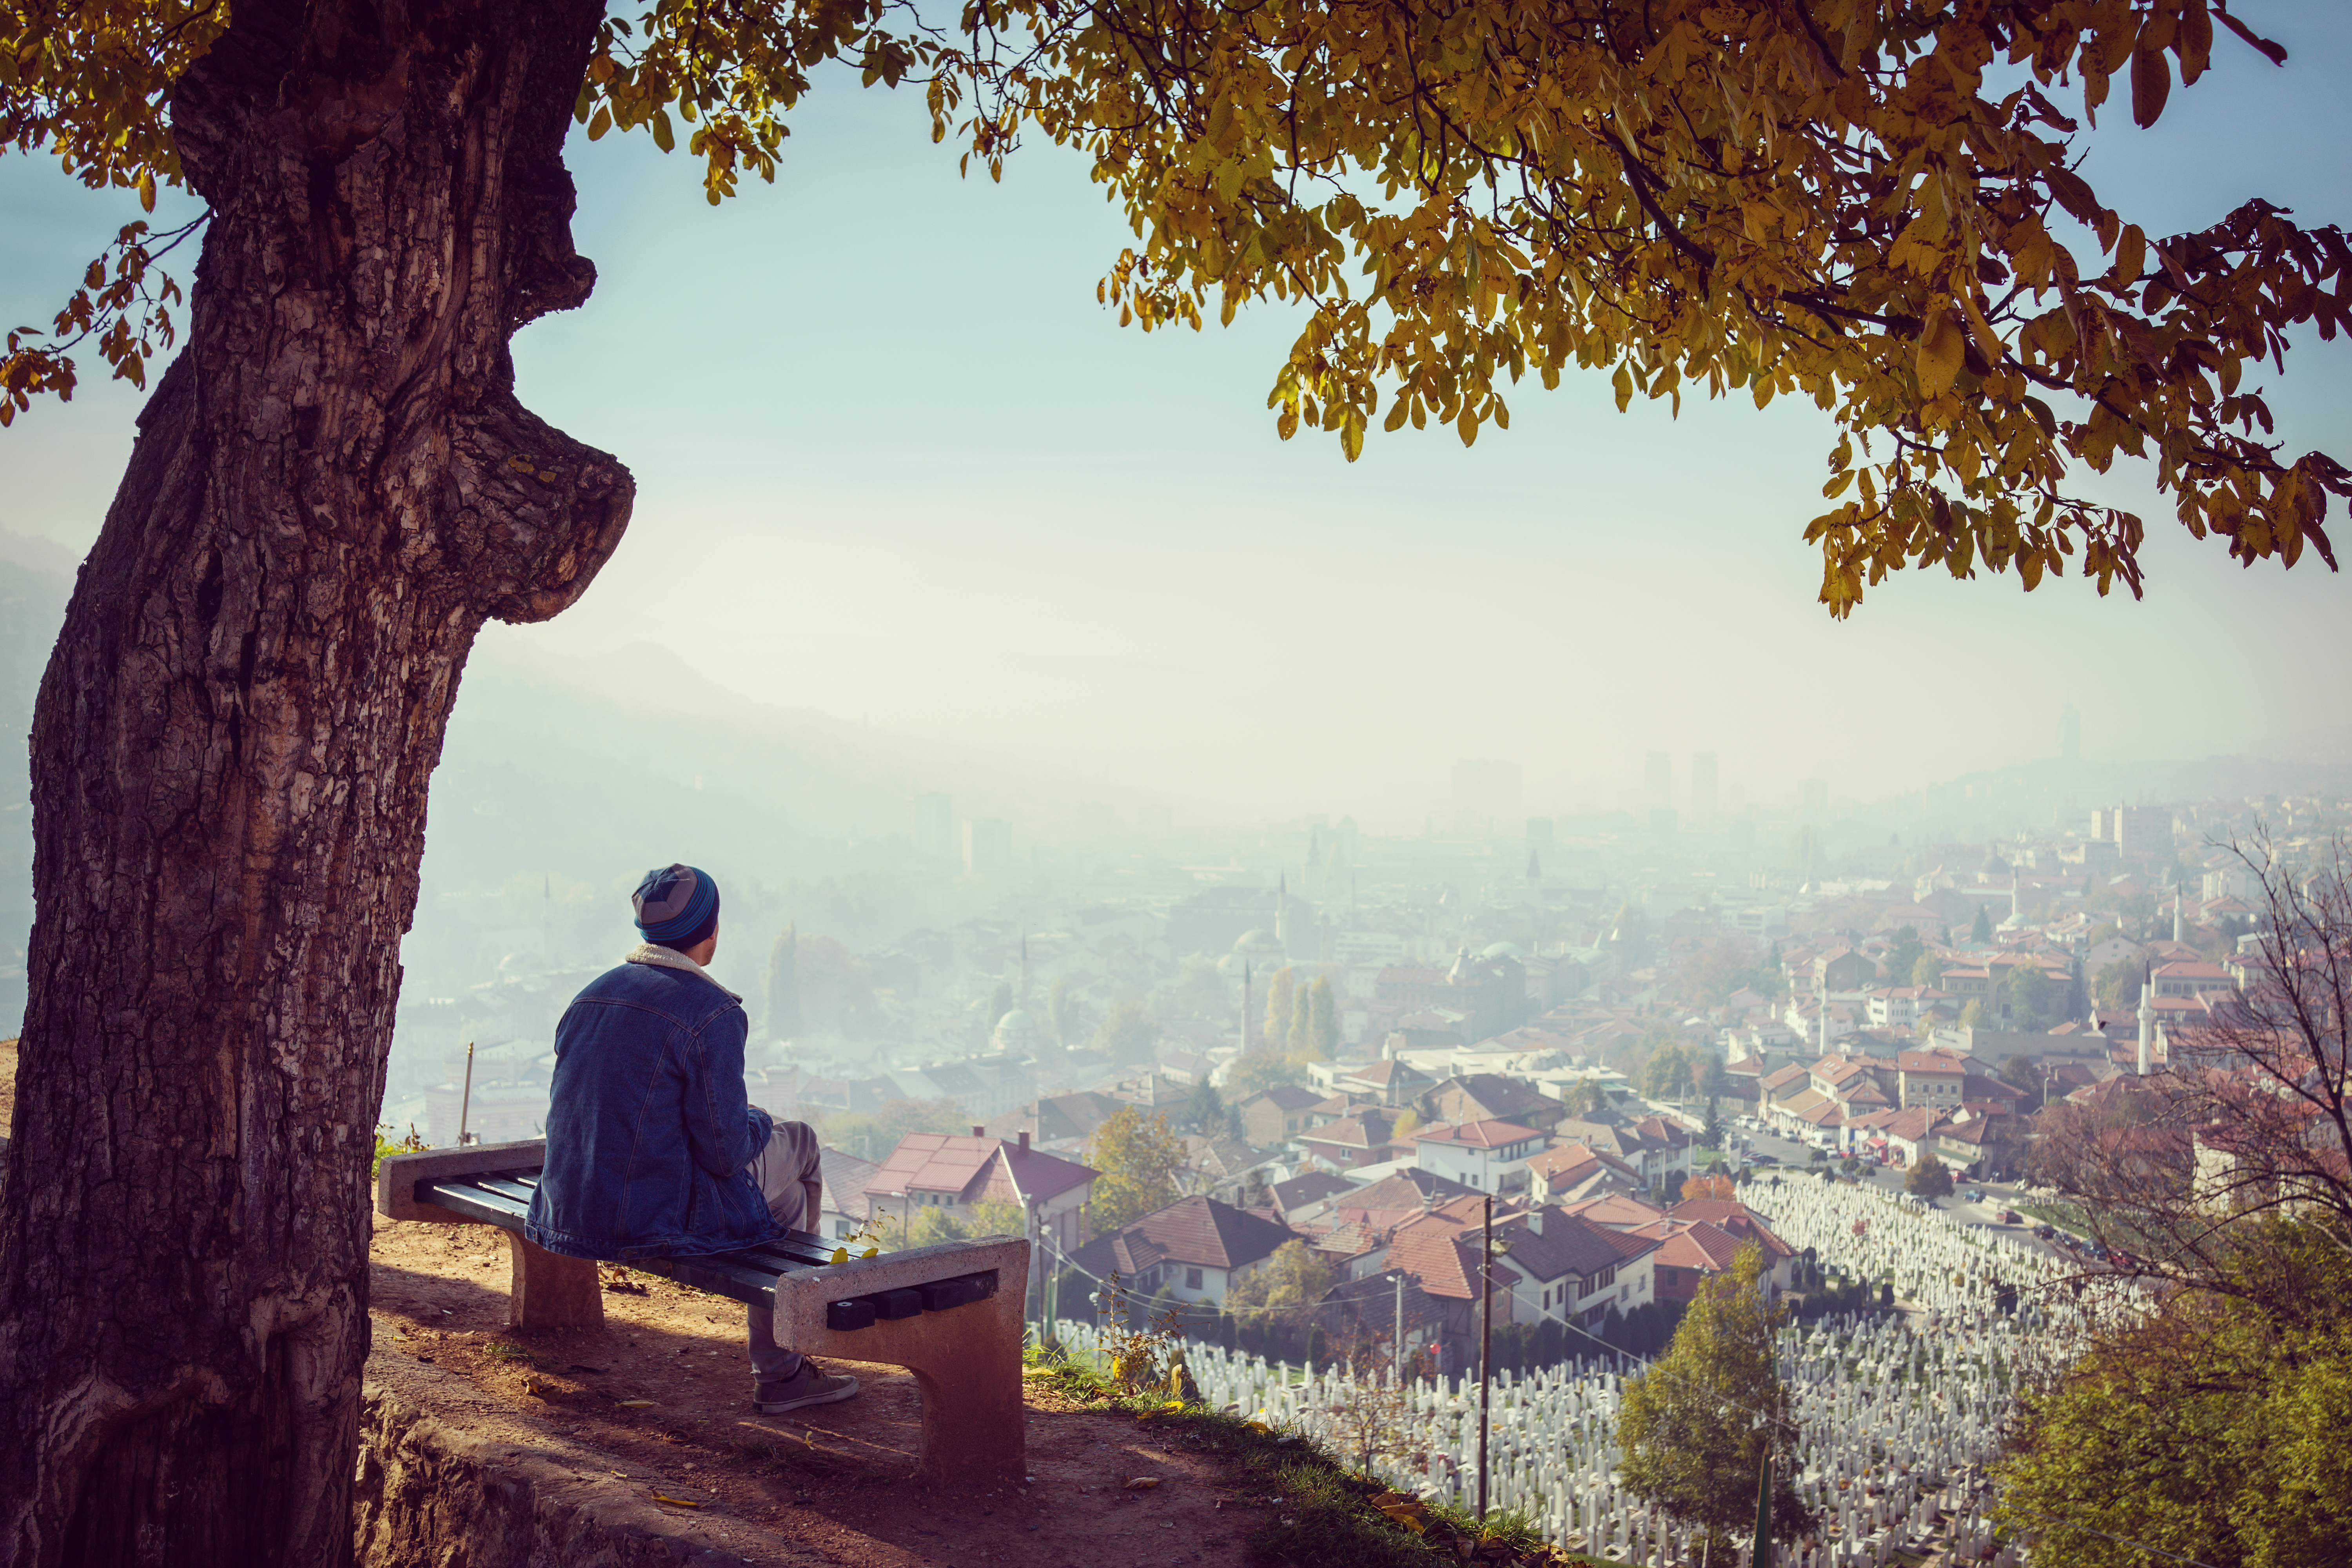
829,1485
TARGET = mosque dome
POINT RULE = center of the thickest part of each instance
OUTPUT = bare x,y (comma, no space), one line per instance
1993,864
1016,1031
1260,950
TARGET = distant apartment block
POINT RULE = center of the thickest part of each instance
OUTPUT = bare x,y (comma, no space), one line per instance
987,847
931,825
1487,789
2134,830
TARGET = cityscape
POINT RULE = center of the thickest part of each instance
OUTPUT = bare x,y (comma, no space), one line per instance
1067,783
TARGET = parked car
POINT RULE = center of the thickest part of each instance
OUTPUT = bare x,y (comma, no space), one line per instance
1975,1195
2009,1216
2046,1232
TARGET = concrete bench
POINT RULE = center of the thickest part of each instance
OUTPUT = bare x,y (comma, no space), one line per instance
950,1314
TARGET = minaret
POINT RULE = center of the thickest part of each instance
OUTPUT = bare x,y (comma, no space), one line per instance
2016,913
1824,991
1023,1003
2177,901
2147,1023
1245,1005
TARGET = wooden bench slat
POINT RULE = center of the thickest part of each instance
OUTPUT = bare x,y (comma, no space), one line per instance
754,1286
505,1186
472,1201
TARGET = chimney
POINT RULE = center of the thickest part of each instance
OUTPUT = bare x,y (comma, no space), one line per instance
1024,1139
978,1130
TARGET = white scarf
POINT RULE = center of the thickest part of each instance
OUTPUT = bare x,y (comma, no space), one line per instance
670,958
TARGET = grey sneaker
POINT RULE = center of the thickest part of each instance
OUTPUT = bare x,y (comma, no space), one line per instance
810,1385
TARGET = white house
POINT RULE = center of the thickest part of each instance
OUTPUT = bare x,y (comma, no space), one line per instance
1490,1156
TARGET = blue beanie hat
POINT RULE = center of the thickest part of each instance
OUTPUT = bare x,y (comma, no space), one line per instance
675,904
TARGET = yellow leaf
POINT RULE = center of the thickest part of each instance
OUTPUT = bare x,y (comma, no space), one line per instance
674,1501
1142,1483
840,1255
1941,344
147,189
2131,255
634,1404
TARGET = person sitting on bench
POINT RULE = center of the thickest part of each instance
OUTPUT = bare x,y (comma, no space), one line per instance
653,1149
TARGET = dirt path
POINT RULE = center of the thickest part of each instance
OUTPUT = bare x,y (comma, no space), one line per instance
829,1485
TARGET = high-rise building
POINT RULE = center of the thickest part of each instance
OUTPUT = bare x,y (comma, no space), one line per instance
1702,805
932,827
987,845
2134,830
1658,783
1485,790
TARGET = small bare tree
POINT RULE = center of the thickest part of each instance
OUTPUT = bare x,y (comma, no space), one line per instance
2245,1133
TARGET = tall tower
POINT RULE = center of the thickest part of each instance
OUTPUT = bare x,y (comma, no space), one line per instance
1282,913
1702,788
2146,1022
785,986
1023,1003
2179,899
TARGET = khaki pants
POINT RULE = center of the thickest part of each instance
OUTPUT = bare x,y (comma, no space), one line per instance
787,1172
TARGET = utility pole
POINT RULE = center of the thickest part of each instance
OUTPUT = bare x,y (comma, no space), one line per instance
1485,1333
1396,1343
466,1098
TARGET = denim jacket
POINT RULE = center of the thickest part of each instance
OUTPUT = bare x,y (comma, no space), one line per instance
649,1131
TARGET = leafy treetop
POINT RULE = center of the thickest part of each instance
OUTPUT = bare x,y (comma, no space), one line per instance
1872,205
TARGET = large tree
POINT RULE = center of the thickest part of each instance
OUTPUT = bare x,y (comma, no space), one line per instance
1695,1426
334,486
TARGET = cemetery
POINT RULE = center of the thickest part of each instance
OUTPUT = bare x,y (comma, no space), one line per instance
1899,1411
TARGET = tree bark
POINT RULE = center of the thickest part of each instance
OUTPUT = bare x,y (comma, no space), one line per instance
333,486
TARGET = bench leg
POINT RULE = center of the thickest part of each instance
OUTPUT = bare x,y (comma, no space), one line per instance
551,1290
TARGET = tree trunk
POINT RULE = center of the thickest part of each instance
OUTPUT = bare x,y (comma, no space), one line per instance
333,488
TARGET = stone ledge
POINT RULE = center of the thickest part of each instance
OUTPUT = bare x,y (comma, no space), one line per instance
427,1493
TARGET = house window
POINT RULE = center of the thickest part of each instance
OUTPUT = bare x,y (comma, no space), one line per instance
1191,1279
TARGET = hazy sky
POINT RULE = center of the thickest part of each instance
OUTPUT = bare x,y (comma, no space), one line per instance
895,465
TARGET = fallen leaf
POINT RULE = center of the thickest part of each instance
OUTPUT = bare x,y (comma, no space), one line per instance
634,1404
674,1501
1142,1483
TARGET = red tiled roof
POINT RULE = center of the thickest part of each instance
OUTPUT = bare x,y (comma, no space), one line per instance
1567,1245
1399,1197
966,1167
1198,1232
1734,1218
1440,1250
1488,1134
1617,1212
1692,1244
